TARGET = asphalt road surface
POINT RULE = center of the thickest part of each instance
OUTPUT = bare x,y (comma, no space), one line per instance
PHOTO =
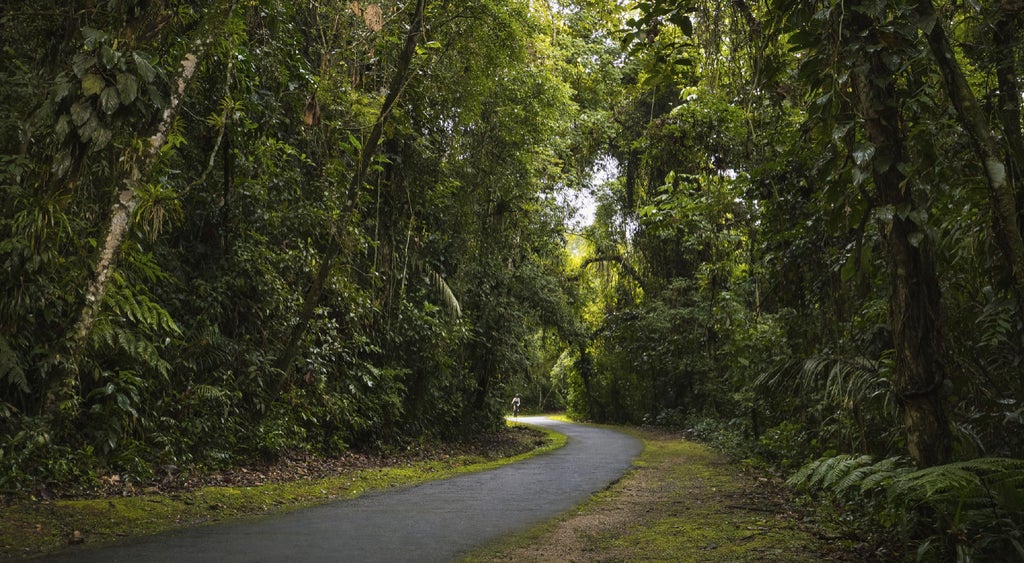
436,521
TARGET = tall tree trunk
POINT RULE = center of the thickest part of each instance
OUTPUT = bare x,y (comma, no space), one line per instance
123,208
121,211
915,308
1000,189
1005,34
403,73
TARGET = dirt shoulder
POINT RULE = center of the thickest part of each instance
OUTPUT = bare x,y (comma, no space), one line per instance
683,502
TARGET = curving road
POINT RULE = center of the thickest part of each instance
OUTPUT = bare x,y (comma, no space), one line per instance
436,521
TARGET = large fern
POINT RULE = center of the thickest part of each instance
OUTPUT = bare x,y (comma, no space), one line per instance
972,482
841,474
979,502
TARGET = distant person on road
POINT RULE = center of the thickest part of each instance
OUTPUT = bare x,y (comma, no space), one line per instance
515,405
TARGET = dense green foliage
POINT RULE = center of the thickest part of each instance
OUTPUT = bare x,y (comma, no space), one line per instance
242,228
399,158
812,249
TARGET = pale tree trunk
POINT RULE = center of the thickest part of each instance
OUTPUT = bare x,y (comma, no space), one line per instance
122,210
915,308
403,72
1000,189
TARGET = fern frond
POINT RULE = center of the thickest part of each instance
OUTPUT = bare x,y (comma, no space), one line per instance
827,471
934,483
970,482
139,308
207,350
843,473
885,471
841,470
209,392
824,469
800,477
117,339
862,467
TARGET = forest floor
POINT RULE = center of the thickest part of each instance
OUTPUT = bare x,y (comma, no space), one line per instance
683,502
686,503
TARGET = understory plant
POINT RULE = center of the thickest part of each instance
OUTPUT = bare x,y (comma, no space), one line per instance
963,511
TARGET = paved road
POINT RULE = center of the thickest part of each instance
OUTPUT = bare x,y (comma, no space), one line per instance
436,521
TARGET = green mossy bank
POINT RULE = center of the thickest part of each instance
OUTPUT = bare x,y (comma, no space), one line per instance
31,528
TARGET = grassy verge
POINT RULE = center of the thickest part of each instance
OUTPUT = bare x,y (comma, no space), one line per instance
683,502
32,528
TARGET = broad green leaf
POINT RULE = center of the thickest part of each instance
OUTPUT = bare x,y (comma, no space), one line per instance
80,113
354,142
849,269
60,90
86,130
925,22
155,96
863,154
127,87
683,22
109,100
803,39
885,213
61,163
82,63
903,210
859,175
108,56
840,130
882,162
146,70
92,37
63,127
92,84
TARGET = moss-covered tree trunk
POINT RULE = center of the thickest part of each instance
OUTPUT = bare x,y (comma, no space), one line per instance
915,310
972,118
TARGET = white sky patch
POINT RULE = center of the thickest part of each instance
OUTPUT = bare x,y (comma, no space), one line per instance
583,205
583,202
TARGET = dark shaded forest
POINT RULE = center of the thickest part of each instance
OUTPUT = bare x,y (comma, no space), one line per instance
238,229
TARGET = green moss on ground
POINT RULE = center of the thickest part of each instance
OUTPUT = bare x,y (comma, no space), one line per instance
32,528
683,502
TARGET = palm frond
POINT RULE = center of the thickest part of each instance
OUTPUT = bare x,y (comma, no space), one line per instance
841,379
446,294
